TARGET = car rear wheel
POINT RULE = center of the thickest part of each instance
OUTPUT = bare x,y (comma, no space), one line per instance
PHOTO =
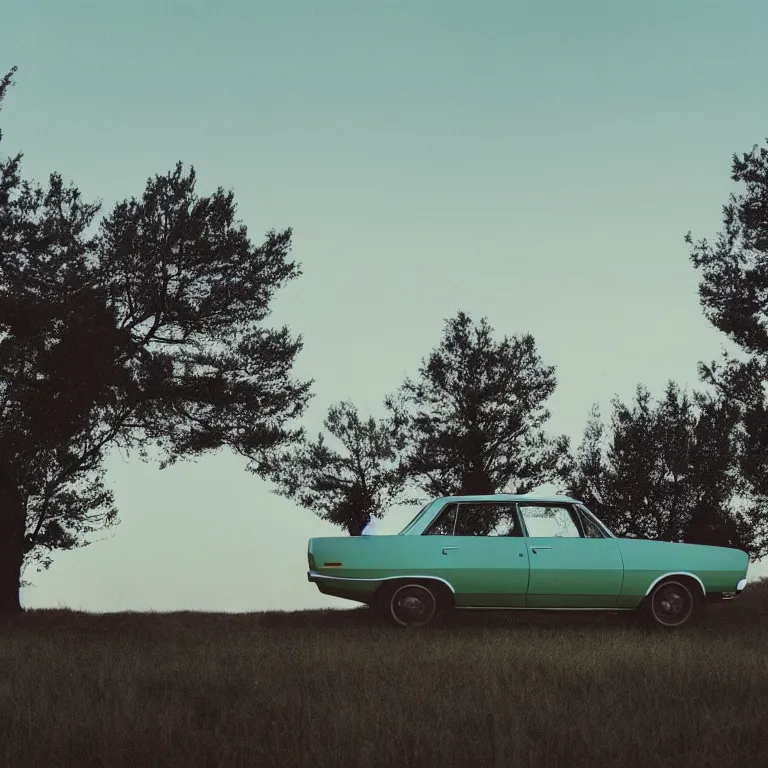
671,604
410,605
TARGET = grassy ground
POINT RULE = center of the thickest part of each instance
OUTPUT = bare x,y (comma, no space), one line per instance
330,688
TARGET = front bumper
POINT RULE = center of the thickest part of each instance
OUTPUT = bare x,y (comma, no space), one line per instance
716,597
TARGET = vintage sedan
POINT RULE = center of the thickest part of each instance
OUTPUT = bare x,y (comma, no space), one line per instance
521,553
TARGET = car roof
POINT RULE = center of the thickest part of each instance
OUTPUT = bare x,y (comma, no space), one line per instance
513,497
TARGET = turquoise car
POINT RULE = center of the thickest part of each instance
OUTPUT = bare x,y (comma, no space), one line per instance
521,553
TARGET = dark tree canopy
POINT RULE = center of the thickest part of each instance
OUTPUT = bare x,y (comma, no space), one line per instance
734,268
668,470
476,413
147,332
192,290
353,484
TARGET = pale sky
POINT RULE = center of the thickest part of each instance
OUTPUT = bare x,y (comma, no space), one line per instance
537,163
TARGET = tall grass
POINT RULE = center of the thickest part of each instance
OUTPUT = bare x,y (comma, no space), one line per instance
330,688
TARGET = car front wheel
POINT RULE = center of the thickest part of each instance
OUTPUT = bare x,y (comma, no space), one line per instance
411,605
671,604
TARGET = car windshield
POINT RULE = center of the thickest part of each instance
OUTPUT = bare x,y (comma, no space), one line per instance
415,519
599,523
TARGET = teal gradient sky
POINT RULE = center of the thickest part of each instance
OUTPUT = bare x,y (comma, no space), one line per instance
537,163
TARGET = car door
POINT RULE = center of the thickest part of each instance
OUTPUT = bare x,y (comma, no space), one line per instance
573,564
482,554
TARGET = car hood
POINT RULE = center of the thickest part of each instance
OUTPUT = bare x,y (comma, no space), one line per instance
640,553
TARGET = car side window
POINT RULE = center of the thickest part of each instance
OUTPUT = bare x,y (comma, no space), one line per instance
444,523
487,520
547,520
591,531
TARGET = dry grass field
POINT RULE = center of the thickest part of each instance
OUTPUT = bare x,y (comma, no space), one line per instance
333,688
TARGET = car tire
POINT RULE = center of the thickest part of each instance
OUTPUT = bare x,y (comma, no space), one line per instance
410,605
672,604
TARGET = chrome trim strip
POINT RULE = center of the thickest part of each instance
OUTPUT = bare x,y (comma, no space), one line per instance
740,586
676,573
316,575
528,608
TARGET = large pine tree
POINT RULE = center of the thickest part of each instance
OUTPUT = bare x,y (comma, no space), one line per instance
733,289
147,333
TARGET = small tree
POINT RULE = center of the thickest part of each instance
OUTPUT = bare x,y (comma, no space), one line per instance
475,415
668,470
351,485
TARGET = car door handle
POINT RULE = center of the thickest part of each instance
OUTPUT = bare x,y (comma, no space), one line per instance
536,549
445,549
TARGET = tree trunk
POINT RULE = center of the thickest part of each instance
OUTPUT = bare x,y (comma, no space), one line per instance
357,525
476,482
12,530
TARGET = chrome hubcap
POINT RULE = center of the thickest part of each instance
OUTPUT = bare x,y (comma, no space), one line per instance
672,604
413,605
